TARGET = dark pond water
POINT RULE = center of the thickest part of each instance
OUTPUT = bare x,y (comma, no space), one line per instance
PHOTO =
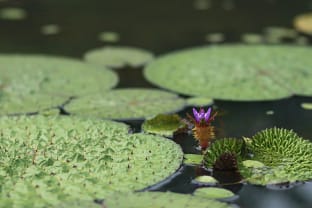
163,26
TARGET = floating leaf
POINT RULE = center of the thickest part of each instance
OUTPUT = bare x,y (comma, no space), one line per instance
118,56
161,200
109,37
163,124
205,179
13,13
252,164
257,72
129,103
49,160
29,83
199,101
50,29
303,23
252,38
215,37
213,193
193,159
306,106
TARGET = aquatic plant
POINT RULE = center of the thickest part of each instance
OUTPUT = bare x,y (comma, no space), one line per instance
129,103
235,72
272,156
164,125
49,160
161,200
223,153
203,130
30,83
118,56
214,193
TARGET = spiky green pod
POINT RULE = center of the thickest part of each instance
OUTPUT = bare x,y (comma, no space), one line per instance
221,146
286,156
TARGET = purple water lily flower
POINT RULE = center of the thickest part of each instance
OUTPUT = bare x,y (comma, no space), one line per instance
201,115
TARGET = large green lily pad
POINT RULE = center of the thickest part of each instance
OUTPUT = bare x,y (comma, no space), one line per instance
136,103
49,160
161,200
272,156
235,72
29,83
118,56
164,124
13,13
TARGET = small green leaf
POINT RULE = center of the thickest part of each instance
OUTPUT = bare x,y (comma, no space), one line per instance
213,193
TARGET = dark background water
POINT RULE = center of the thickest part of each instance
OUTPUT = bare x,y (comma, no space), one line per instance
163,26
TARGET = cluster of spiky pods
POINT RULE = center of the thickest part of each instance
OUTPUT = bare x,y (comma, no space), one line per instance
203,131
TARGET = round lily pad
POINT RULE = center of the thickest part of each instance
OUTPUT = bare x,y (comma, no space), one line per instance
193,159
118,56
163,124
50,29
29,83
108,36
236,72
252,38
205,179
303,23
48,160
213,193
128,103
306,106
161,200
199,101
13,13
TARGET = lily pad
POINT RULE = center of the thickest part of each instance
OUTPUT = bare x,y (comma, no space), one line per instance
252,38
306,106
50,29
213,193
13,13
48,160
272,156
108,36
161,200
303,23
205,179
163,124
199,101
257,72
193,159
128,103
29,83
118,56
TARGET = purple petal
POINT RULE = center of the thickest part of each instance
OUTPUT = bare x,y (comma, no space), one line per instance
196,115
207,115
